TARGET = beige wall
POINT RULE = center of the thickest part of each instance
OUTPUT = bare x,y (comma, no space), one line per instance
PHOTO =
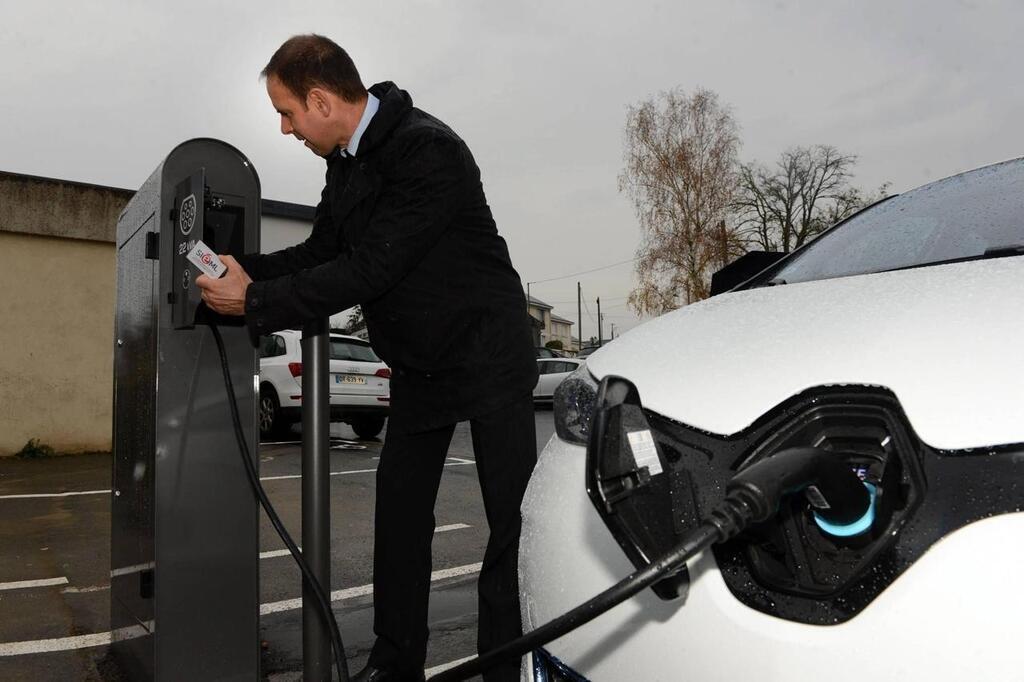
56,329
554,327
563,332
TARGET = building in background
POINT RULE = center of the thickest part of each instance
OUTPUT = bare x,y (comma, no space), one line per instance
551,327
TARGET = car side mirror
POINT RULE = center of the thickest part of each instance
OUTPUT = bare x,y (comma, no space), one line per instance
742,269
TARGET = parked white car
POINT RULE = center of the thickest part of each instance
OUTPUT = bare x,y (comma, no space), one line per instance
552,372
359,384
892,342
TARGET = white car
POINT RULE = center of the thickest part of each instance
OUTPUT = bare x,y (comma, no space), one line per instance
551,373
359,384
892,342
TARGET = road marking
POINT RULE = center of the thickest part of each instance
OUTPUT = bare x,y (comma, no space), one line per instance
125,571
128,570
363,590
457,461
141,567
333,473
430,672
39,646
42,646
22,584
69,494
336,439
451,526
80,590
276,552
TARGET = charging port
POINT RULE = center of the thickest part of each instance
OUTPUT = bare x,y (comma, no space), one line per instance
798,554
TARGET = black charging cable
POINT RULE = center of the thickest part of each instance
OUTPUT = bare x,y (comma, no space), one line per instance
752,496
318,591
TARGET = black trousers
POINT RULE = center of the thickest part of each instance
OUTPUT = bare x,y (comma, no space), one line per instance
505,448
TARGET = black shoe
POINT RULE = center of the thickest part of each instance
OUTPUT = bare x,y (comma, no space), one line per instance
371,674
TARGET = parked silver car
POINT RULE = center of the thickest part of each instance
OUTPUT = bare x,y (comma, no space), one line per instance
553,371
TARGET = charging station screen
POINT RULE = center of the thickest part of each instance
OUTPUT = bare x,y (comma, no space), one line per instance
224,229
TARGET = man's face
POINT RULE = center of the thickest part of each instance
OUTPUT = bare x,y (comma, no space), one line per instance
306,124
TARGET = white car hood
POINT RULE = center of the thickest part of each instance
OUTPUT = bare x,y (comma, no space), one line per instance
947,340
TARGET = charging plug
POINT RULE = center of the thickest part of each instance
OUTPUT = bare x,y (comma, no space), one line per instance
856,527
838,494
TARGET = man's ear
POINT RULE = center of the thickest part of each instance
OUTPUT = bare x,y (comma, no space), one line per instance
318,101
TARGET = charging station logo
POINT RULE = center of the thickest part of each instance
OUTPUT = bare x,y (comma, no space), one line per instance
187,214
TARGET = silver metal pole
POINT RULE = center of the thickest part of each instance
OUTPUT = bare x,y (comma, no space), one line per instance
316,501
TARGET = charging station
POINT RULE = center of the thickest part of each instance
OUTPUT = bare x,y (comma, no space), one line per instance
185,535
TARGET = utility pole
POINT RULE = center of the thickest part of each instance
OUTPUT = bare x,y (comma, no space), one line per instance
579,318
613,331
600,337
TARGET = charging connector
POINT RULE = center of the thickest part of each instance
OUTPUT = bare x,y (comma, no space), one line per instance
752,496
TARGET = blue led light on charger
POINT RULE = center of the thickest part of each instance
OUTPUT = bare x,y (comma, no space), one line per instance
861,525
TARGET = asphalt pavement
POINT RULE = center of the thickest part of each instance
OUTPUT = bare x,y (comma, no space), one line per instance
55,563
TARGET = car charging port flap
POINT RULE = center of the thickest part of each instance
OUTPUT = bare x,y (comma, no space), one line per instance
629,482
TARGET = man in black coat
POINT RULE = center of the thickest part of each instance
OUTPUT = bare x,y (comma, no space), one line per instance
403,229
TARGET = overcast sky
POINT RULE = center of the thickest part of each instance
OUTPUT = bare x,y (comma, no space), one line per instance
100,92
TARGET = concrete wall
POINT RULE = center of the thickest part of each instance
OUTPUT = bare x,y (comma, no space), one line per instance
56,312
56,367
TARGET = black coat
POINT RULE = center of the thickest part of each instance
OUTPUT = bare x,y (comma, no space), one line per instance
404,230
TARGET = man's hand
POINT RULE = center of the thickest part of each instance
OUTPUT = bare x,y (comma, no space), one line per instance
227,294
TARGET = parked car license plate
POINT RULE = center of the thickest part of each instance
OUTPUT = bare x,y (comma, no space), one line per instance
348,379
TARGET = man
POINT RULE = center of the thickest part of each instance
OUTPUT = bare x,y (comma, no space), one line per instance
403,228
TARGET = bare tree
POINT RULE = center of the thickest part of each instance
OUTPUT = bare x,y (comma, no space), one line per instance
680,172
355,320
806,193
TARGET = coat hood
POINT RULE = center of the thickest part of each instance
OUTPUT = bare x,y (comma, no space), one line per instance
946,340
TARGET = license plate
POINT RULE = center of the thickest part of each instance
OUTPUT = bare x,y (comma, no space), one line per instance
348,379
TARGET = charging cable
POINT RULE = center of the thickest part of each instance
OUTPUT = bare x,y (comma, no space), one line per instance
318,592
752,496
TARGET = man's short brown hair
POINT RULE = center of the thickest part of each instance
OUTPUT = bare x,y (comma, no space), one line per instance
312,61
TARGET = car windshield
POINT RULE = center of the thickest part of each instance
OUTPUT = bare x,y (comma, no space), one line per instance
347,349
957,218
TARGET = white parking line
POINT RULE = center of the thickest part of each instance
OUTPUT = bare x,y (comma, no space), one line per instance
42,646
430,672
22,584
451,526
363,590
78,492
276,552
39,646
456,461
82,590
128,570
333,473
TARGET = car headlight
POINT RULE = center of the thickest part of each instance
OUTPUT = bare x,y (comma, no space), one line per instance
574,403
